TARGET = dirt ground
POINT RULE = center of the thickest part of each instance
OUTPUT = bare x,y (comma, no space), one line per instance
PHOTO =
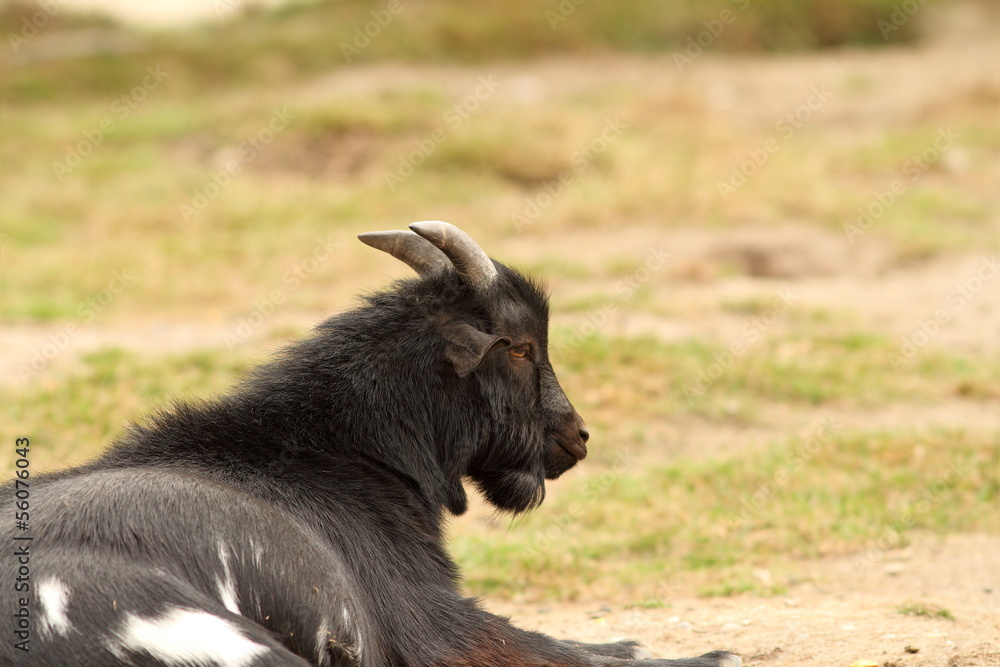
846,610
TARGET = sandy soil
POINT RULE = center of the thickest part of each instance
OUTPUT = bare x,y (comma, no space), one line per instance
846,609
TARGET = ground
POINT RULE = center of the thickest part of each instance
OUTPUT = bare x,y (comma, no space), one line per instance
846,613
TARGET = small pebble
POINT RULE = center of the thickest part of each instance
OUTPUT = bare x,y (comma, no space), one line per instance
729,627
684,625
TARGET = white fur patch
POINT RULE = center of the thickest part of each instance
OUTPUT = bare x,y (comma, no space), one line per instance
188,637
357,649
227,587
323,637
258,553
53,597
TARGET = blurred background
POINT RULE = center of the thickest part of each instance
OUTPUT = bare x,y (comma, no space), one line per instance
770,227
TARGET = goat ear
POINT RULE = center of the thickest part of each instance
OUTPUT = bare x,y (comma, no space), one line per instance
466,346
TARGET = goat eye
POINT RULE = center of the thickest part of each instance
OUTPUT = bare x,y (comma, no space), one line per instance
519,352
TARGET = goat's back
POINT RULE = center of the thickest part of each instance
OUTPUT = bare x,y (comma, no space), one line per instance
171,565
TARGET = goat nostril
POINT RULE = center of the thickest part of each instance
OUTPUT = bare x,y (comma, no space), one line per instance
584,434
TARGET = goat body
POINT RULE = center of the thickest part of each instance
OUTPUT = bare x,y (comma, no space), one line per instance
297,520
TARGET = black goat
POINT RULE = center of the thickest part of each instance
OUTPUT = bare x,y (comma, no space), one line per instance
298,519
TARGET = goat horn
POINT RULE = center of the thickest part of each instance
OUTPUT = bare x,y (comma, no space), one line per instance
410,248
469,260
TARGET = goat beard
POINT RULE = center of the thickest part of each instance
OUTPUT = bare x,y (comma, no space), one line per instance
512,490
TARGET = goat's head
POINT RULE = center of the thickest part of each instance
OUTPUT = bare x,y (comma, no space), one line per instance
491,324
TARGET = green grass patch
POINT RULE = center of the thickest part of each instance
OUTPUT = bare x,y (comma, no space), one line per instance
307,38
72,414
633,527
925,609
646,377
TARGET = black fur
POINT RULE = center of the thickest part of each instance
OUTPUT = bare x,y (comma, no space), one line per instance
314,493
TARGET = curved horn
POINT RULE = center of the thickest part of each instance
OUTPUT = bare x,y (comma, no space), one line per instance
408,247
470,261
